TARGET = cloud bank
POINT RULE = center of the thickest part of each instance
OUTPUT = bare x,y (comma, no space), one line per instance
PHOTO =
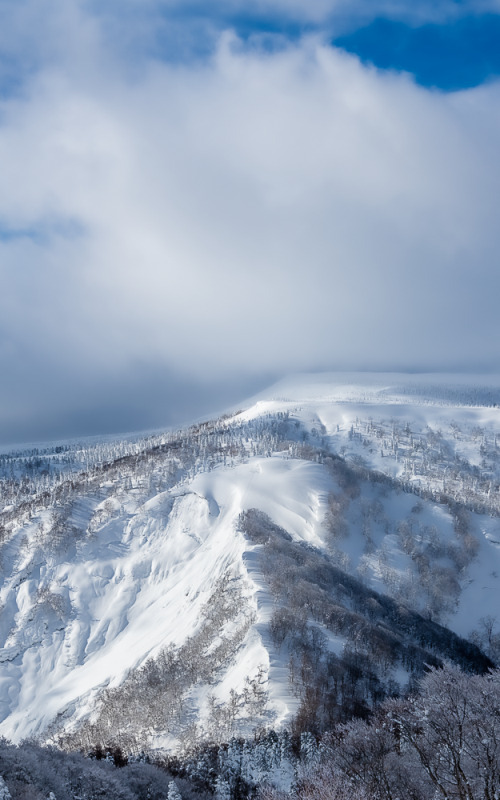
172,234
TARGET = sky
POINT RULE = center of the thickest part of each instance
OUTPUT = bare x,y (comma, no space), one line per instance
198,198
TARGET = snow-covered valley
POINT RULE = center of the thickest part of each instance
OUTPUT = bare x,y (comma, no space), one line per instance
204,571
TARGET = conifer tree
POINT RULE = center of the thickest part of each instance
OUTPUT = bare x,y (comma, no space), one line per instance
4,792
173,792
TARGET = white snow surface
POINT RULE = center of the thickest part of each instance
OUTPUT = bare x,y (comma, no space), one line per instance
74,623
140,585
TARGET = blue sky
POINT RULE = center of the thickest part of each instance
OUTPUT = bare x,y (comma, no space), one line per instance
455,55
194,202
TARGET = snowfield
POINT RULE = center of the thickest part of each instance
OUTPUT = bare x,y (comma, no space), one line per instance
141,585
104,568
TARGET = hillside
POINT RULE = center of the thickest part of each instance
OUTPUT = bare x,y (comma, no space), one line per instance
294,562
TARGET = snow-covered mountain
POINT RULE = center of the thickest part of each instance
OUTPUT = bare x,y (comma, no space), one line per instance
327,541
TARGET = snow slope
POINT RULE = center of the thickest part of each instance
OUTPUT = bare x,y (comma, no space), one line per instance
140,585
106,574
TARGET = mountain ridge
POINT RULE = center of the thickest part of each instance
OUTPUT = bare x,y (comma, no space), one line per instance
105,566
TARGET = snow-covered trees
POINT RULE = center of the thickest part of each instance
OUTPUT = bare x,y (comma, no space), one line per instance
173,792
328,784
453,727
4,792
152,699
442,743
487,637
31,772
314,598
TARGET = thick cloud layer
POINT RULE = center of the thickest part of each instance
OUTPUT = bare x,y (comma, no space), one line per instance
173,233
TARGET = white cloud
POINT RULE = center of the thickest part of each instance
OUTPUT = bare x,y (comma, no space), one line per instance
260,212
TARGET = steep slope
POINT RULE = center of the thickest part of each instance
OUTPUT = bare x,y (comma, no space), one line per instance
203,583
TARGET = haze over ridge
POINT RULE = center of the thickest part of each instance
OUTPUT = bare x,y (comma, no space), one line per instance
194,204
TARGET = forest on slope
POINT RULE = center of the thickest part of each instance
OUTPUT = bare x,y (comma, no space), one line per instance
279,580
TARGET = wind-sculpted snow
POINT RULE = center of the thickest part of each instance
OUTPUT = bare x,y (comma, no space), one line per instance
137,608
133,575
